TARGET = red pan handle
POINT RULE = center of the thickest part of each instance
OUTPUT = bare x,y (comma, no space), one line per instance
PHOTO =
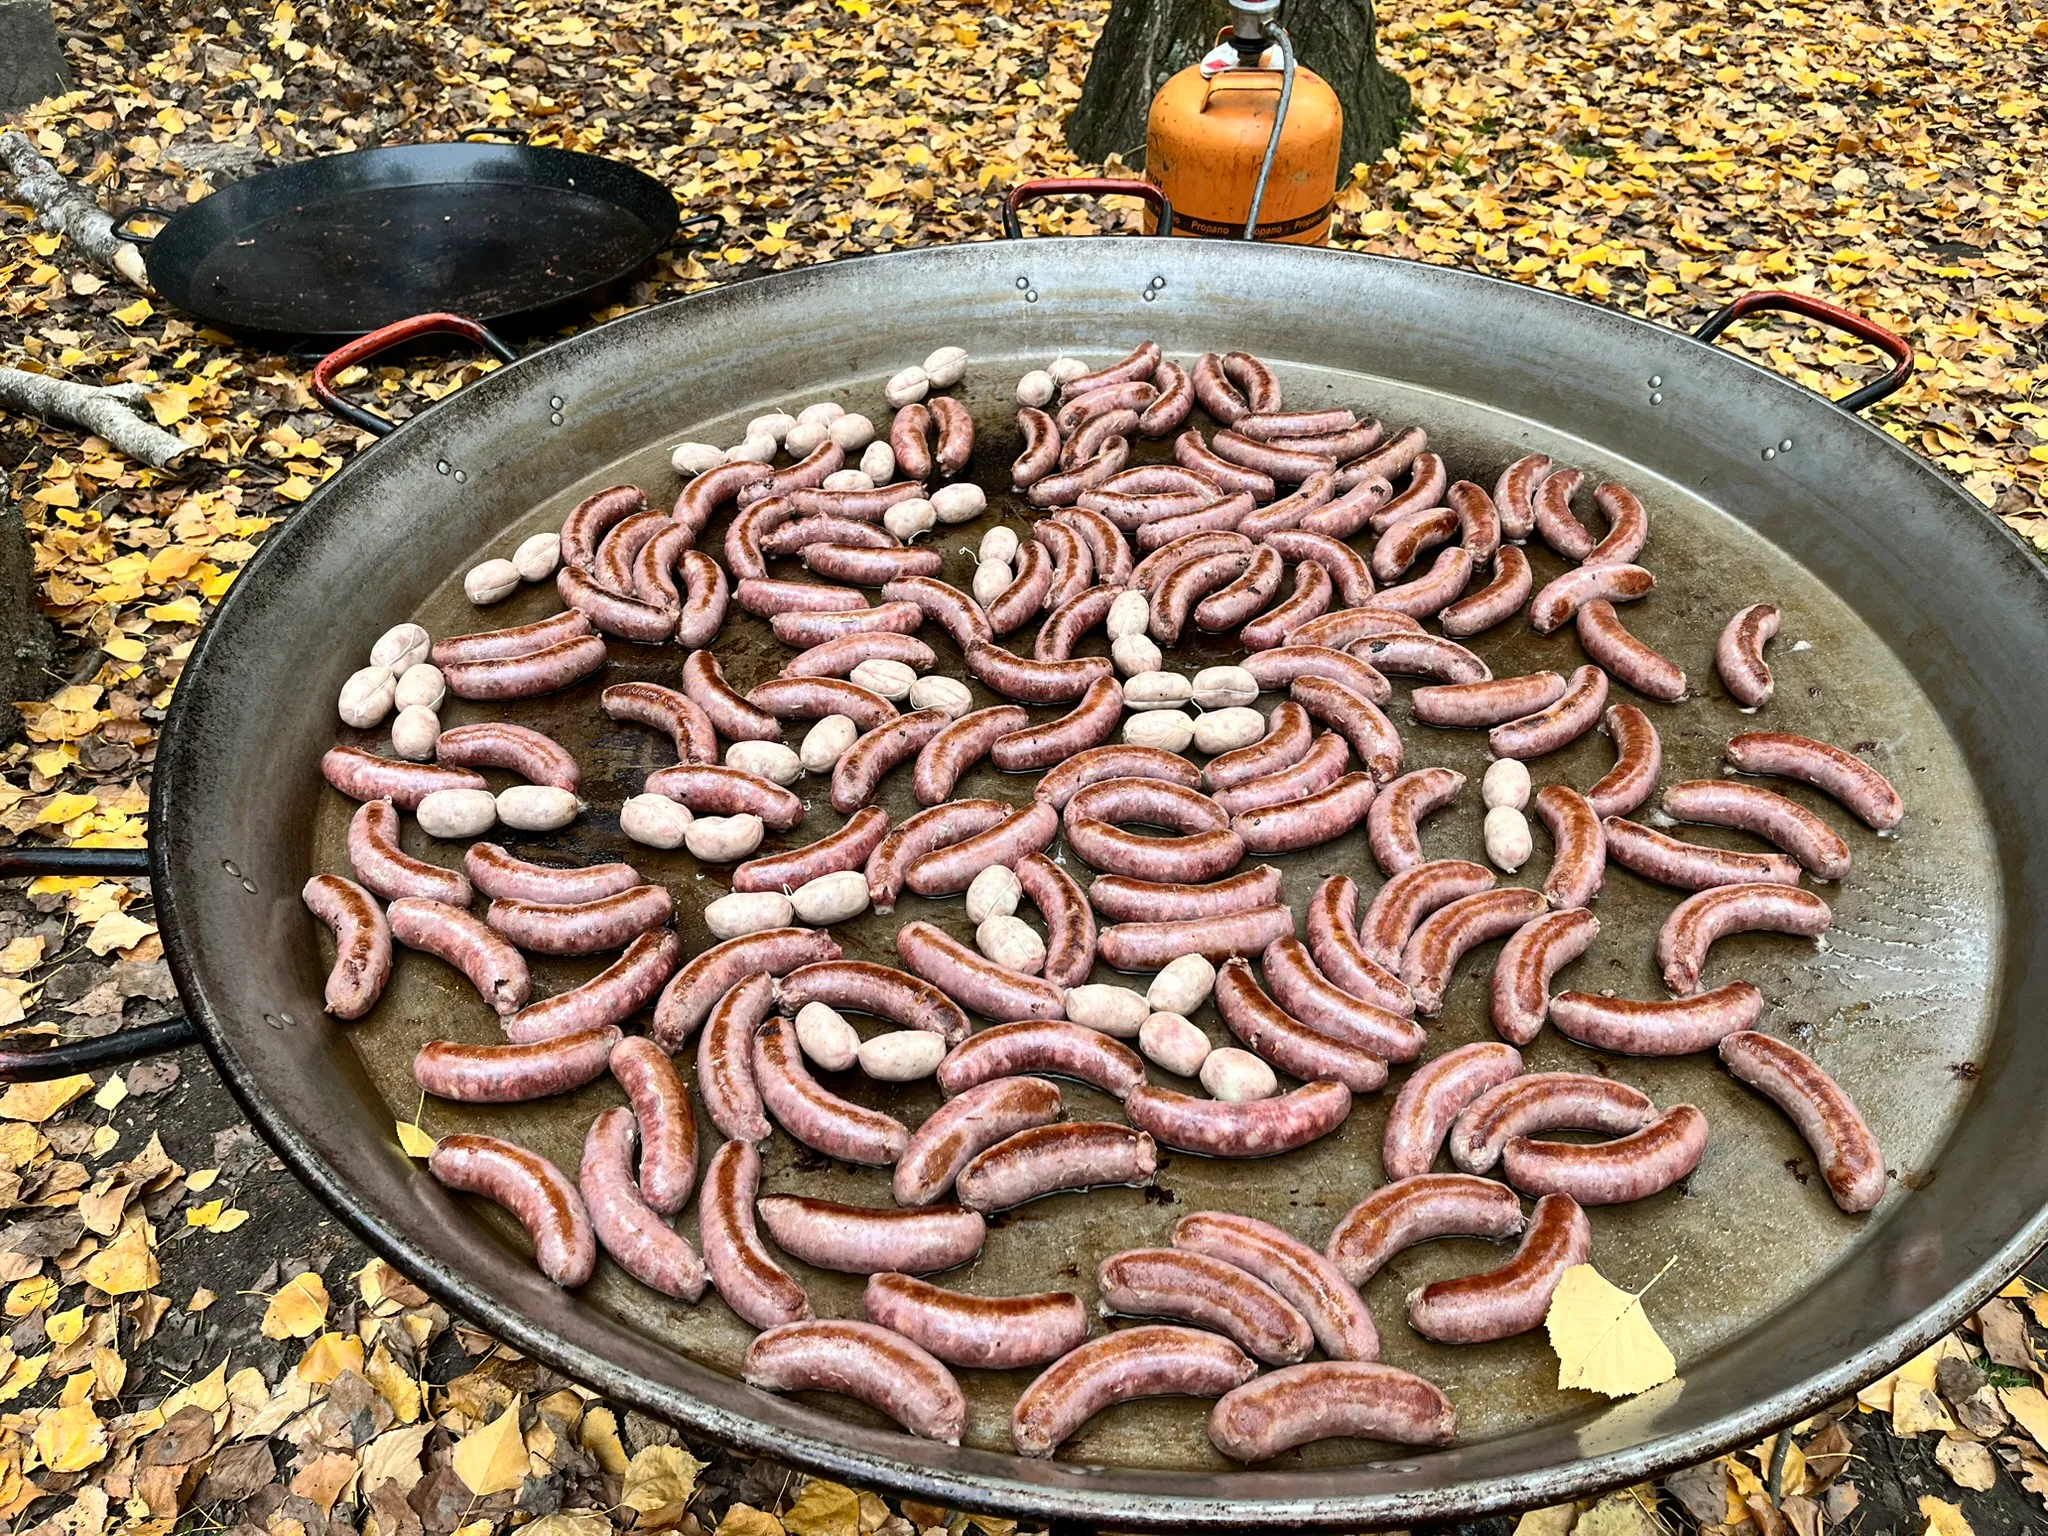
363,348
1099,186
1821,311
125,1045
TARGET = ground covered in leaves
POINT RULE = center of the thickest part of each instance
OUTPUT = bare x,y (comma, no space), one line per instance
1661,157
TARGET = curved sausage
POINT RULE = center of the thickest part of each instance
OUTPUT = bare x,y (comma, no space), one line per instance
1407,899
959,615
1348,627
1190,1286
863,506
1254,1128
388,870
581,927
1069,922
969,979
880,1368
1154,946
1608,641
1064,487
1842,1143
1359,500
1638,759
713,789
1667,1027
1035,682
960,746
1545,1101
1092,766
1532,955
1496,602
1579,867
1213,388
595,515
1555,522
1610,1172
1691,866
1349,571
703,496
1022,600
1434,1096
1191,857
1089,724
1427,481
1277,1037
955,424
996,1333
1501,1303
1848,780
884,991
910,440
612,996
637,1236
1444,937
626,617
1070,620
848,848
1309,1282
1045,1159
1058,1050
1475,706
1325,1399
1309,820
813,698
1391,829
1512,495
707,977
940,826
496,969
1191,452
891,616
1283,664
860,1240
362,944
1420,655
857,776
1696,922
1124,900
725,1059
526,675
1357,719
364,776
949,870
1041,448
1319,769
965,1126
534,1190
1286,742
812,1114
665,709
1334,942
504,644
1408,537
732,716
1310,996
1556,604
1164,416
1551,730
499,744
1153,1361
1289,466
758,1290
1106,545
1073,566
863,566
1417,1210
668,1129
1766,814
1739,655
1310,599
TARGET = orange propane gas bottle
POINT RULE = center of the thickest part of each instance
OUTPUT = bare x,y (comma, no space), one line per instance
1211,132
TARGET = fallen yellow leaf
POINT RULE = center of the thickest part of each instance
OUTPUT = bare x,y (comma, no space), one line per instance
744,1519
493,1459
1943,1519
111,1093
660,1482
71,1438
117,930
824,1509
416,1142
331,1354
298,1309
36,1102
134,314
21,955
126,1265
185,610
1603,1339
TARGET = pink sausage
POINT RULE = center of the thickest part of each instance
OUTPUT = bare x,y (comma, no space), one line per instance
1278,1037
1554,606
1041,448
1325,1399
1608,641
1474,1309
1035,682
1106,545
959,745
1610,1172
1124,900
713,789
1427,481
1556,524
1074,1154
939,827
493,966
1024,598
1093,434
975,982
1408,537
665,709
613,567
1124,378
521,640
1058,1050
839,656
1512,495
1152,946
387,870
581,927
1156,1361
1319,769
1409,897
964,1126
1848,1153
1521,976
1310,599
1478,519
725,1065
1285,465
1335,944
626,617
1064,488
1397,1216
1418,655
1696,922
812,1114
1286,742
1765,814
766,596
857,776
1257,1128
1545,1101
1348,570
813,698
527,675
637,1237
1309,1282
1496,602
668,1128
1073,567
709,975
1192,1287
748,540
362,944
1283,664
986,1332
847,848
1289,826
956,434
1676,1027
1628,526
814,469
1638,759
1164,416
1072,619
364,776
1357,719
512,1074
1213,388
1358,502
1393,832
591,517
867,567
534,1190
1261,388
864,987
499,744
1579,866
1175,597
1069,922
703,496
893,617
614,995
952,869
1091,723
1288,511
1444,937
1347,627
732,716
1849,780
1739,655
1475,706
1563,723
910,440
1188,858
1434,1096
758,1290
863,506
1691,866
1310,996
858,1240
1191,452
1114,762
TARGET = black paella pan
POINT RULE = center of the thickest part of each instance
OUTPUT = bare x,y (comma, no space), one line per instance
1921,620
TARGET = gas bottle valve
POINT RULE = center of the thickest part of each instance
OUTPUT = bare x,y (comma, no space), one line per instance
1249,45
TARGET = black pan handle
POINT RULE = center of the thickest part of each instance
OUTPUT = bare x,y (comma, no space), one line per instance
363,348
140,211
698,231
1822,312
1100,186
107,1050
499,135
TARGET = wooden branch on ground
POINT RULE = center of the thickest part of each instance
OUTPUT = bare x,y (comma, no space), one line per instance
63,207
109,411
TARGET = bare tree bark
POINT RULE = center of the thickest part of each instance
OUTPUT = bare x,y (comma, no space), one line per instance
1145,43
110,411
25,640
61,206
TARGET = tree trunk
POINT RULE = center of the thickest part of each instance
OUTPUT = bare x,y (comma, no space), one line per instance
25,641
1145,42
31,63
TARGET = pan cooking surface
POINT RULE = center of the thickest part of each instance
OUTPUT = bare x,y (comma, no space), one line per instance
1896,1002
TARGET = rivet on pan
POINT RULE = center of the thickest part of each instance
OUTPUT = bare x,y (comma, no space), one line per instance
1657,397
555,402
288,1018
273,1021
1785,446
232,868
442,466
462,477
1150,295
1023,282
1030,295
1158,282
249,886
1770,453
1656,381
555,419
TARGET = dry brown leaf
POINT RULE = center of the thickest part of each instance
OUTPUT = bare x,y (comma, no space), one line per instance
660,1482
1967,1463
